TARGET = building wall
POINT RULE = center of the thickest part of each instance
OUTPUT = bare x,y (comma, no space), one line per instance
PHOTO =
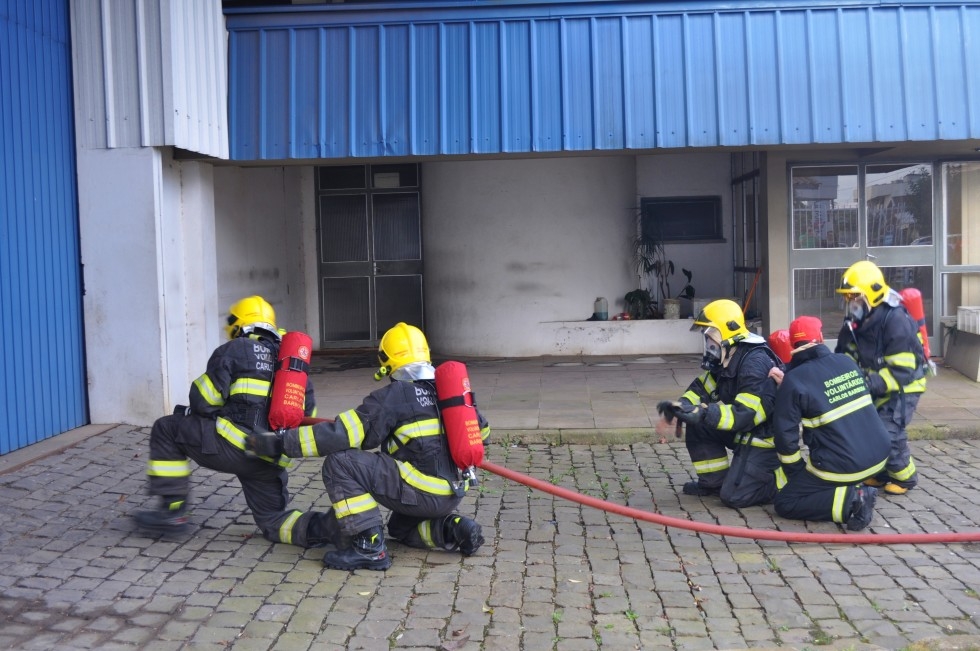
694,174
264,241
512,246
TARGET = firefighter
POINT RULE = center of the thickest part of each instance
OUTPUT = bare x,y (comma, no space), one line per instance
847,443
226,403
882,338
727,408
412,474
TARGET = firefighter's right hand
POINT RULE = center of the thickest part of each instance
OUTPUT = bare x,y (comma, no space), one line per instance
264,444
666,409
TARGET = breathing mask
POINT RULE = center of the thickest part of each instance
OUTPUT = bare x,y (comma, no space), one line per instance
713,356
856,307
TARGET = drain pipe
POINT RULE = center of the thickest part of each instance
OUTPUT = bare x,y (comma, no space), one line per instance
717,529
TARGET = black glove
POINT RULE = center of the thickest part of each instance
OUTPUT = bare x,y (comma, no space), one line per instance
876,384
689,414
666,409
264,444
795,468
182,410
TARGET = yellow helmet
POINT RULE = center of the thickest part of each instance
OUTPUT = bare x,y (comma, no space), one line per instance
726,317
248,314
402,344
864,278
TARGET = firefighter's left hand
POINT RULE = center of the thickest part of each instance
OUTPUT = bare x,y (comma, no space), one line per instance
264,444
876,384
690,414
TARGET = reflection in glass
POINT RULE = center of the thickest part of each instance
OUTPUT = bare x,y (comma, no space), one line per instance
825,207
898,201
814,293
961,182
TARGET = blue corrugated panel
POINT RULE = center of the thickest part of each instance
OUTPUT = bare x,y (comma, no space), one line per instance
43,382
483,78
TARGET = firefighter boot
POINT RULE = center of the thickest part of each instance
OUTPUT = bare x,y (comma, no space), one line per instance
171,517
367,552
462,533
694,487
862,508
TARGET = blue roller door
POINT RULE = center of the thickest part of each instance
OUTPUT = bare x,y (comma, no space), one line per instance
43,380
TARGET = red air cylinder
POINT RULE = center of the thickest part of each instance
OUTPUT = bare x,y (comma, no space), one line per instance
287,404
780,344
457,407
913,303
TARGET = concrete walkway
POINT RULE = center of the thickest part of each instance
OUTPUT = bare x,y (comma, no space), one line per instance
553,575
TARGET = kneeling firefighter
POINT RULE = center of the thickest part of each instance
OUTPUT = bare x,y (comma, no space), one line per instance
727,408
847,443
227,403
412,474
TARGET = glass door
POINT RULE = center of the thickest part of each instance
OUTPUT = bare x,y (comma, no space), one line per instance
881,212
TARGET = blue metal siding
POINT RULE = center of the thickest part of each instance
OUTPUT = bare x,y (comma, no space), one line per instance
43,382
486,78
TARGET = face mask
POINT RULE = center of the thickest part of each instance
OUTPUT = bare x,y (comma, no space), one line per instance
857,308
711,359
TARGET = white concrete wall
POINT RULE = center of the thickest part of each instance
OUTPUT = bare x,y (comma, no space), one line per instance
146,230
677,175
512,246
263,238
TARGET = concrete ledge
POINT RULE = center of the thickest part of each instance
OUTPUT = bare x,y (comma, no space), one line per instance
20,458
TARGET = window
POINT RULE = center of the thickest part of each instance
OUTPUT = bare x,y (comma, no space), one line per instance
682,219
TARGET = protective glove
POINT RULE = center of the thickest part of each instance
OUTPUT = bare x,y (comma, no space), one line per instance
689,414
666,409
876,384
264,444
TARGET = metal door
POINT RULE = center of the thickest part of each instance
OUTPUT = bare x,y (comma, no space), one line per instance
369,231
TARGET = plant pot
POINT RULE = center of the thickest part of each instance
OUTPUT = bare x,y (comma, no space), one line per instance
672,308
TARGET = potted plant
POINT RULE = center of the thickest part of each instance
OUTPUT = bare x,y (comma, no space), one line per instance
638,304
649,256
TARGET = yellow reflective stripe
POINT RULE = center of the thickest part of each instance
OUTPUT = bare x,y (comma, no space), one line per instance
891,384
313,413
230,433
765,444
250,386
837,508
838,412
485,433
846,477
286,528
916,386
708,382
754,403
781,479
726,419
691,397
790,458
425,533
409,431
422,482
307,441
206,388
711,465
354,505
355,428
159,468
905,473
904,360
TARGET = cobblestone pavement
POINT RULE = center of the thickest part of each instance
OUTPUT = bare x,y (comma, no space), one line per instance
553,574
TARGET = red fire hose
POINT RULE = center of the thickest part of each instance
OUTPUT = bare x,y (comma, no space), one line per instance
738,532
